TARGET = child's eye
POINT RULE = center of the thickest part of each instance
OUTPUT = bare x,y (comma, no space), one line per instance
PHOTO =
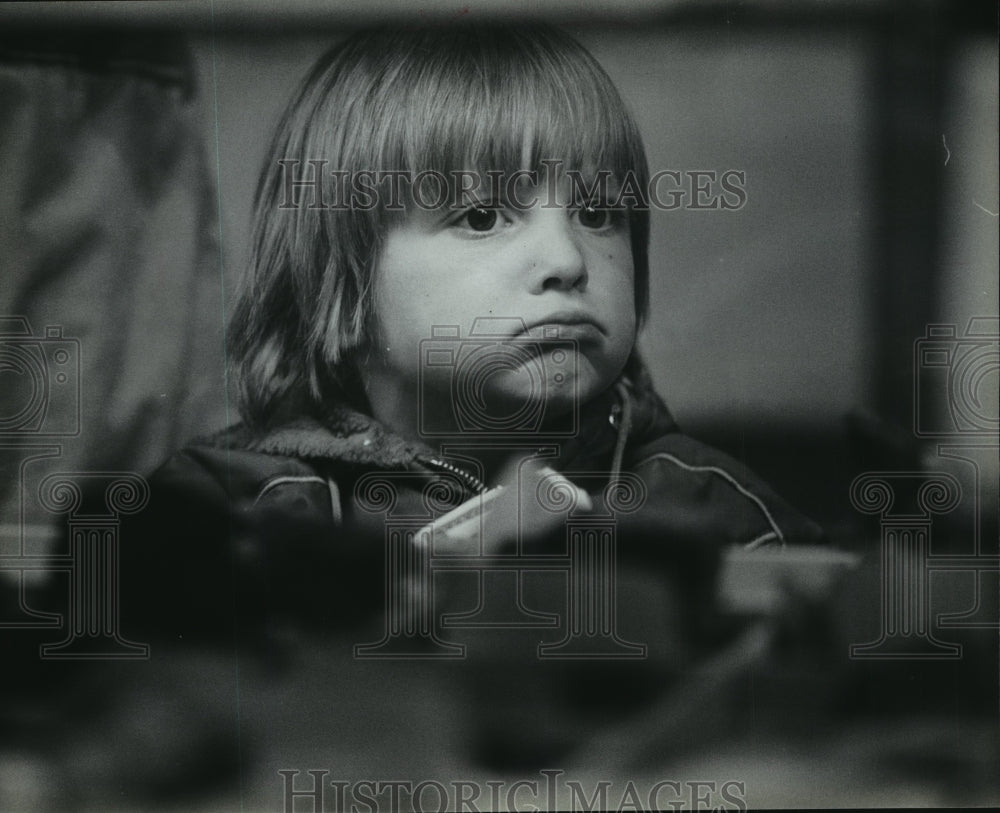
599,216
483,219
480,218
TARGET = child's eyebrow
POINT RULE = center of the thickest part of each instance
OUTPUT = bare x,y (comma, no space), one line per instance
515,188
612,189
601,187
494,188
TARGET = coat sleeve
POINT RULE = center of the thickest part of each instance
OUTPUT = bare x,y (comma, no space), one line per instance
697,495
237,545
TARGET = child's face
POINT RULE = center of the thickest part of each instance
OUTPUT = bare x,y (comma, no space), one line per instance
560,266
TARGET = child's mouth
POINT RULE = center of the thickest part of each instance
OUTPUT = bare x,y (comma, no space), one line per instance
567,331
574,326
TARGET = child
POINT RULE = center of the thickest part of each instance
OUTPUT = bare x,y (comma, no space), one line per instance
431,195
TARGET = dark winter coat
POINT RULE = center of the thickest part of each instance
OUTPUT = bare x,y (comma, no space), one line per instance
248,530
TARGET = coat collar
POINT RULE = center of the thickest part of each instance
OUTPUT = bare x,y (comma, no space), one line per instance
348,436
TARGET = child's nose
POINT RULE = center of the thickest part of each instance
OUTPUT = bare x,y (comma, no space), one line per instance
557,261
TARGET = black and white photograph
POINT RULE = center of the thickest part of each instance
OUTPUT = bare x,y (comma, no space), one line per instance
499,406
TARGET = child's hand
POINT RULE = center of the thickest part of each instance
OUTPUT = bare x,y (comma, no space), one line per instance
534,503
531,502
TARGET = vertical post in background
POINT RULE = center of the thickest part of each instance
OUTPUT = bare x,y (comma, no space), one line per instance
914,51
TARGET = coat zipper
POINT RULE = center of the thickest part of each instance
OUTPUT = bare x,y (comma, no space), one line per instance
470,481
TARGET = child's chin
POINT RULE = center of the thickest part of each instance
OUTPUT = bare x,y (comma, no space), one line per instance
552,398
553,390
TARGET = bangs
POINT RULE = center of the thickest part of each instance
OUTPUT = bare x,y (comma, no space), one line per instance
491,99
